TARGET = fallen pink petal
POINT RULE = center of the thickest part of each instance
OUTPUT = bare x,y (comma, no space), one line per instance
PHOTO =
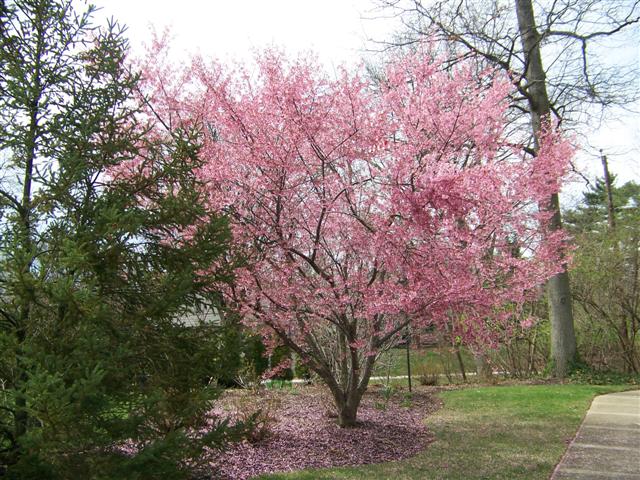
305,435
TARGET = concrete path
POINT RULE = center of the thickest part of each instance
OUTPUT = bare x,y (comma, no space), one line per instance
607,445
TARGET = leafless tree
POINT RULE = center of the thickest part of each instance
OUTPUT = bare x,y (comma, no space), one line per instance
559,56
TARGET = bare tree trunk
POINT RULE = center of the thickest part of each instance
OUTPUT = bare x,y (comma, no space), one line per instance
343,374
347,397
563,340
346,377
21,416
461,364
531,366
611,219
483,369
347,404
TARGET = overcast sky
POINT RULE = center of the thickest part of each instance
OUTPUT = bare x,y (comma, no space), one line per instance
231,29
337,30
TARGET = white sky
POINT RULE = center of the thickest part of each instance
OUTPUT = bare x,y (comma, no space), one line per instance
231,29
336,30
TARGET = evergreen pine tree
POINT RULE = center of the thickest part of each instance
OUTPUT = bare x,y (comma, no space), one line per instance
106,243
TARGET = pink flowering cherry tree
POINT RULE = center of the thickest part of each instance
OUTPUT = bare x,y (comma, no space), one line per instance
361,208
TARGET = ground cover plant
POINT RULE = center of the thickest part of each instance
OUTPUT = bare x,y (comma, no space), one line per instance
497,432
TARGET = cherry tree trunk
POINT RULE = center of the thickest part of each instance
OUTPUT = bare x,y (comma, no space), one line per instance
563,340
347,397
347,404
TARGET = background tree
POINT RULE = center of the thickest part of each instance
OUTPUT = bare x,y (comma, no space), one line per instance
361,211
606,280
552,55
591,214
105,243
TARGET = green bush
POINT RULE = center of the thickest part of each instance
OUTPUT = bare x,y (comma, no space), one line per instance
585,374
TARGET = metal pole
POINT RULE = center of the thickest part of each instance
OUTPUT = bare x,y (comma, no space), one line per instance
408,357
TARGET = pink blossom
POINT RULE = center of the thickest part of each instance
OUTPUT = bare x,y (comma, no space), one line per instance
361,209
527,323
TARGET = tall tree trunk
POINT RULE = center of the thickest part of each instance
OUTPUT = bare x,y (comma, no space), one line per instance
21,416
611,218
563,339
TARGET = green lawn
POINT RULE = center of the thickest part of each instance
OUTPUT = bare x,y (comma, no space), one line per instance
501,432
431,360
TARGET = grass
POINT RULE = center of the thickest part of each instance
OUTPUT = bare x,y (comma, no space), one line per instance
431,360
500,432
276,384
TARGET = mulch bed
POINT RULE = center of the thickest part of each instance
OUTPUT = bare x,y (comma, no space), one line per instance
304,434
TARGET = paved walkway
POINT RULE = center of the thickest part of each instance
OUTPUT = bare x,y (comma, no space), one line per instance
607,445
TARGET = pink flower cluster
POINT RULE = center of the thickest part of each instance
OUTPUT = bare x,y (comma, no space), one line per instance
361,207
375,201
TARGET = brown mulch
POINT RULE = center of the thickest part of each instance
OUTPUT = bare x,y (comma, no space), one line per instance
303,432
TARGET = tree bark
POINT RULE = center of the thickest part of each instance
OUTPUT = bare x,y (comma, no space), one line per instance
21,416
483,368
461,364
347,397
347,405
563,340
611,218
347,400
